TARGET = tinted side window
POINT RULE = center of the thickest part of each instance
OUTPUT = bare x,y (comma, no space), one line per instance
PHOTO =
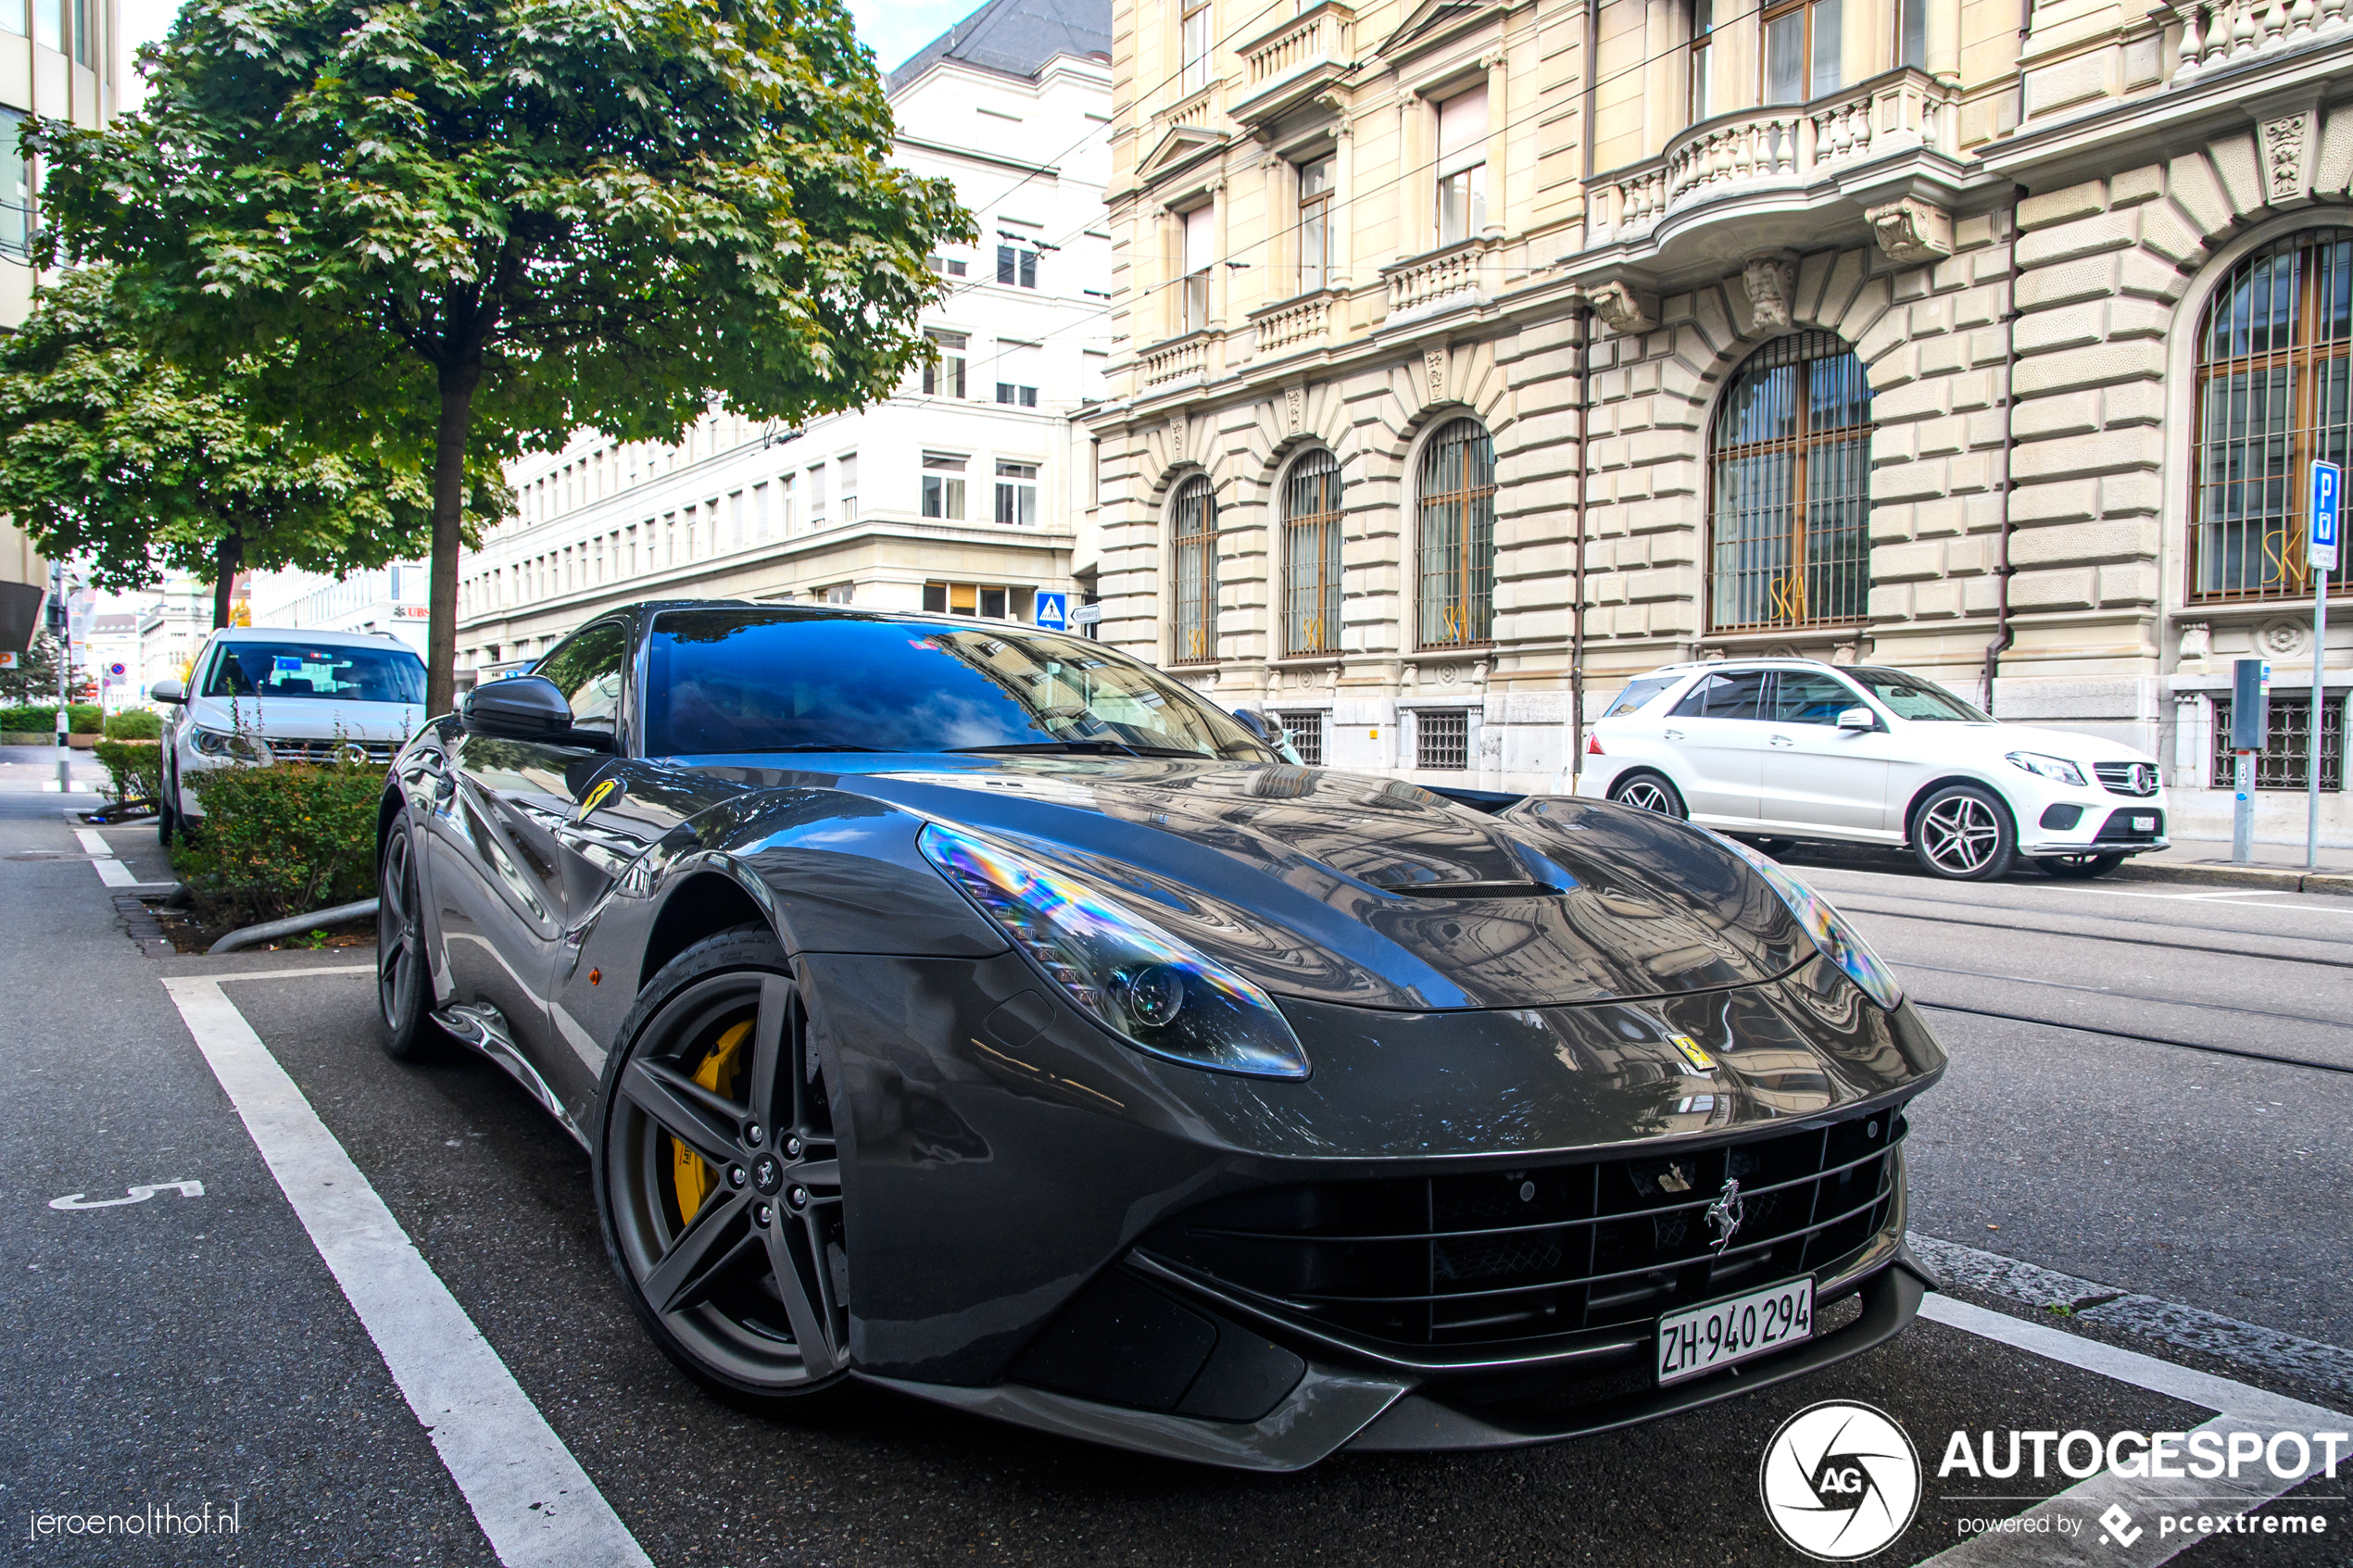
1736,695
588,667
1800,696
1638,693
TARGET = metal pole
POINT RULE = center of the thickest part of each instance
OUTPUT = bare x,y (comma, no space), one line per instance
2318,729
2243,812
65,726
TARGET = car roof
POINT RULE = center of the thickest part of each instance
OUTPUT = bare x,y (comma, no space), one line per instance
310,635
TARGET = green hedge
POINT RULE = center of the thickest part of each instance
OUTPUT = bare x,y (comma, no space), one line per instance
86,718
135,768
279,841
131,723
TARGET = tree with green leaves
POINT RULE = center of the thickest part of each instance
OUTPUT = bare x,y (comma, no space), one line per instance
114,455
34,678
500,222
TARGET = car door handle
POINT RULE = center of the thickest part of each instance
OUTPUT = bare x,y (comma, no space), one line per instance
1783,740
1674,735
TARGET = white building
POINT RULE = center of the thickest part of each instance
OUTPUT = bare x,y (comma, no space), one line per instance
394,599
955,495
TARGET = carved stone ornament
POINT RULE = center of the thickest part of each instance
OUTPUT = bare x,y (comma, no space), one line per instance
2284,637
2283,141
2197,641
1623,308
1912,230
1175,438
1294,409
1434,373
1769,281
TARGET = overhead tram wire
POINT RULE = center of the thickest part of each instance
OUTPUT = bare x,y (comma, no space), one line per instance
2271,1057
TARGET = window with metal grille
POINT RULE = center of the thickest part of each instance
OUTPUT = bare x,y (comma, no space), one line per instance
1441,738
2286,743
1195,519
1456,543
1790,504
2273,378
1311,555
1307,732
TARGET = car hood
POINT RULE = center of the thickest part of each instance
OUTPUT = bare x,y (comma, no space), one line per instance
1372,892
308,718
1990,742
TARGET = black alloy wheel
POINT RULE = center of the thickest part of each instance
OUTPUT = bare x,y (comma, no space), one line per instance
1646,790
1964,832
2080,867
403,992
166,818
717,1179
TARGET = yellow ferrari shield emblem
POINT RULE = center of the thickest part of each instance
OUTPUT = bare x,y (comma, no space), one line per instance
604,791
1692,1053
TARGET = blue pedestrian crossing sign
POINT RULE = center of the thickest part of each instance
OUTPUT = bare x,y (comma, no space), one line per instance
2328,490
1053,612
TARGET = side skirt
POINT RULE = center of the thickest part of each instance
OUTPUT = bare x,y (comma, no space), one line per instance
483,1029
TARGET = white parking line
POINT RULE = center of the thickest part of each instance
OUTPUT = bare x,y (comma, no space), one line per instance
527,1491
111,871
2323,904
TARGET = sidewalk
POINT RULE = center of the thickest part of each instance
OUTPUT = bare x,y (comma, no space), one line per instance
33,769
2276,867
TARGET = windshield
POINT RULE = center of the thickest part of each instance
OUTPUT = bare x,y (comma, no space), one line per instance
1638,693
385,674
1908,696
728,680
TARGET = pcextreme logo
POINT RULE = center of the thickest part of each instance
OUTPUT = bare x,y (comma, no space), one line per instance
1840,1481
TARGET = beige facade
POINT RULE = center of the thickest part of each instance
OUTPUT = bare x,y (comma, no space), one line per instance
1637,250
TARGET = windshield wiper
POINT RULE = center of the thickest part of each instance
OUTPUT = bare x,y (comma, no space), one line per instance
1049,747
815,747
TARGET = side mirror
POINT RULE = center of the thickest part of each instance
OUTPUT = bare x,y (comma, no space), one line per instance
1857,719
173,692
1260,725
519,707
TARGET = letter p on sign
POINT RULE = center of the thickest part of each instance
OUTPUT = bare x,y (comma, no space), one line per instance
2328,489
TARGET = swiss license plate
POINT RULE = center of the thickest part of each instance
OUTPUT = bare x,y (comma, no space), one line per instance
2145,825
1700,1339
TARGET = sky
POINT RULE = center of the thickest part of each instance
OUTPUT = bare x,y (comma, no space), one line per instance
893,29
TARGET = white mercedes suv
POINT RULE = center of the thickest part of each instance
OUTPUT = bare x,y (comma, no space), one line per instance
260,694
1787,748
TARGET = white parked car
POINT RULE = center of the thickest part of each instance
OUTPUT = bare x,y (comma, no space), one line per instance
1784,748
258,694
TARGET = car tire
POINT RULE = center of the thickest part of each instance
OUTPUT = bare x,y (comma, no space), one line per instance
404,988
2079,868
1648,791
719,1191
1964,832
167,816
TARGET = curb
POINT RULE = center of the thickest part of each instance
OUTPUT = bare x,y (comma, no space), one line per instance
2280,879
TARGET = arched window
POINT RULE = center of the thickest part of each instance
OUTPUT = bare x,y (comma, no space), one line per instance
2272,397
1195,512
1311,555
1790,476
1456,542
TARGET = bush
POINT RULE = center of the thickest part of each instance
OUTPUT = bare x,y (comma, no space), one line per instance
83,718
279,841
135,768
135,723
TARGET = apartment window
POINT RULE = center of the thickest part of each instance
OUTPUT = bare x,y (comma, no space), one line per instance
12,17
85,33
944,487
1441,739
1017,267
981,600
1801,51
1911,33
1704,58
946,265
846,470
736,519
1017,495
840,593
16,187
1194,513
2287,744
49,23
760,512
816,494
787,494
1016,395
1311,555
2275,392
1315,223
1306,731
1193,45
1789,469
1461,165
945,376
1199,241
1456,545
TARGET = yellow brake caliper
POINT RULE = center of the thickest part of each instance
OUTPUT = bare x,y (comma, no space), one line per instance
691,1175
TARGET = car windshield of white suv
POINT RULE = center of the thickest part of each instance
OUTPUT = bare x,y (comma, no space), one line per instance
388,675
1908,696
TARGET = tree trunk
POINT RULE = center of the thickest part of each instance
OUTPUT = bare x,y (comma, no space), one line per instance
457,384
228,558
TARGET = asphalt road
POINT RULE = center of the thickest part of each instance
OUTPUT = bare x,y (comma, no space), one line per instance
190,1349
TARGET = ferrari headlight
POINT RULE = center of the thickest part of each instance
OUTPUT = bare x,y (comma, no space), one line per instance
1836,939
229,743
2058,769
1128,976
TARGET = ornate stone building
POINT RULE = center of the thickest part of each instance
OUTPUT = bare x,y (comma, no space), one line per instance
1475,356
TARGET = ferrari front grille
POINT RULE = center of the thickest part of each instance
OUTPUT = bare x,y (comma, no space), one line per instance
1528,1253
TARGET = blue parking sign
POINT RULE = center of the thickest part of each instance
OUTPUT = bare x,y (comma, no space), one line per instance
2328,490
1053,612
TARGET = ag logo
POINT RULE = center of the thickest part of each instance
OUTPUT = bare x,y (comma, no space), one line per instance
597,797
1840,1481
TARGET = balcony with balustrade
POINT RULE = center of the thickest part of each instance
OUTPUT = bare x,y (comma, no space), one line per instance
1783,175
1289,64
